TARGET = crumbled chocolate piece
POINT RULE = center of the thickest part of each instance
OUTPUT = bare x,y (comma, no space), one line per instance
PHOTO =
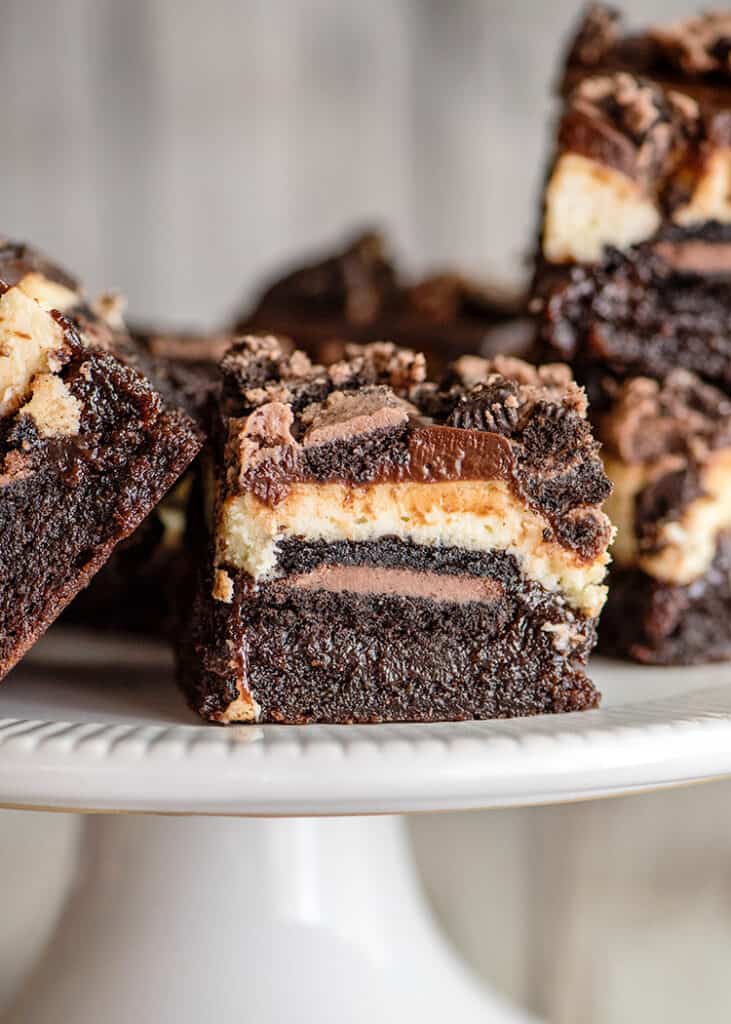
596,36
682,416
529,384
400,368
261,368
629,124
344,414
259,438
493,406
699,45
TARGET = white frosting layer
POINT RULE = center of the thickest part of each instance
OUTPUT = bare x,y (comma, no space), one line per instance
589,205
687,545
474,515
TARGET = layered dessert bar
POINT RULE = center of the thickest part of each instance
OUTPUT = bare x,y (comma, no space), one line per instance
383,548
137,589
87,445
634,264
358,294
668,452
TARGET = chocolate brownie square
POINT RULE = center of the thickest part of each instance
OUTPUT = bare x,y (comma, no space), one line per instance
634,264
385,548
88,446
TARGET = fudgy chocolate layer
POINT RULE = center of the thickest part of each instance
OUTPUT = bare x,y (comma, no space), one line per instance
662,624
635,314
66,501
314,655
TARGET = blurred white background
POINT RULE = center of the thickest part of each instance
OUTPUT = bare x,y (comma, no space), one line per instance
179,150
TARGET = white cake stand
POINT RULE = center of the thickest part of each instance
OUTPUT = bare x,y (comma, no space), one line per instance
295,912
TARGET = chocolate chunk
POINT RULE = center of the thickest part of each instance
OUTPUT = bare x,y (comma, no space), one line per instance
345,414
682,416
700,45
630,124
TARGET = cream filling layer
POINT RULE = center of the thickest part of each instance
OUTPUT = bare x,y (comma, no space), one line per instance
474,515
588,206
686,545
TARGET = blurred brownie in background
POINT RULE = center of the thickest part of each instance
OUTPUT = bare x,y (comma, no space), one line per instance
634,264
667,450
357,294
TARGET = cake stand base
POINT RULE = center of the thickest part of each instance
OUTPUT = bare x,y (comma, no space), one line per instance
259,920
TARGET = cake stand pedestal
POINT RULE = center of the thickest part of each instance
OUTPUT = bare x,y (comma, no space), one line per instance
261,920
257,886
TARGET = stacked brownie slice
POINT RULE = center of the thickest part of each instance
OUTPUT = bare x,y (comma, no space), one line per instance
632,288
358,294
384,548
88,446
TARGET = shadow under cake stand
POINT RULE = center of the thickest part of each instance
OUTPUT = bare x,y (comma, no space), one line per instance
248,879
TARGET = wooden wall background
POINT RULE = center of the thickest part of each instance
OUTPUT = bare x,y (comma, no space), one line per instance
179,150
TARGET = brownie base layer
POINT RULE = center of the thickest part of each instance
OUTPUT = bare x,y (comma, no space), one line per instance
661,624
66,502
321,656
633,314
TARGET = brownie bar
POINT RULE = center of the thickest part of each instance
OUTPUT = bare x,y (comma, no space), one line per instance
358,295
87,445
385,548
136,590
634,264
668,452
